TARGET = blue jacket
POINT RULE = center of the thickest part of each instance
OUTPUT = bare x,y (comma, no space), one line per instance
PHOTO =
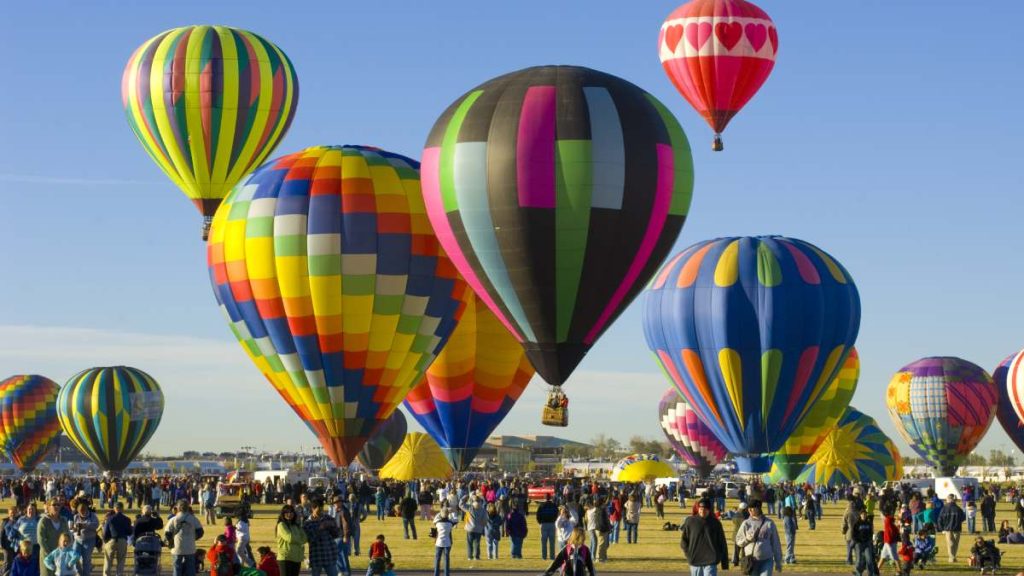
63,561
25,566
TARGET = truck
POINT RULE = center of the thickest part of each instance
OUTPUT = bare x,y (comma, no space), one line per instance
291,476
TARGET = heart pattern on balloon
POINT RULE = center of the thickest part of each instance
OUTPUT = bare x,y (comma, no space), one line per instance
757,35
673,34
697,34
729,34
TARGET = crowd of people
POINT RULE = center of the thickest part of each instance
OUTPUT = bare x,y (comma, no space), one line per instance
576,523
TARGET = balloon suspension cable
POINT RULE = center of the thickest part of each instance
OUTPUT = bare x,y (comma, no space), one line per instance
717,145
207,222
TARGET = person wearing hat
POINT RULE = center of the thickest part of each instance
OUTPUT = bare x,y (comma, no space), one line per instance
759,539
703,542
951,522
737,521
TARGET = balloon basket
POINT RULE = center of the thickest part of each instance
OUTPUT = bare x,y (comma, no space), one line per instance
556,410
207,222
717,145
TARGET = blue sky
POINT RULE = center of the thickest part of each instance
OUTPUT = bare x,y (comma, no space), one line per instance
890,134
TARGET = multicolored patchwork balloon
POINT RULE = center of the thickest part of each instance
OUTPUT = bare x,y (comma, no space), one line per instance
718,54
942,406
689,437
385,441
752,331
1008,418
209,104
820,420
471,386
557,191
331,278
28,419
854,451
110,413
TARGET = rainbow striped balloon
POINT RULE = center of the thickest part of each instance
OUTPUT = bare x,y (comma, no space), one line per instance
471,386
821,418
209,104
28,419
942,406
691,438
1015,384
752,330
326,268
110,413
854,451
557,191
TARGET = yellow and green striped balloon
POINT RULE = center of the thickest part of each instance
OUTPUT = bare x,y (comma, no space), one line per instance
110,413
820,420
209,104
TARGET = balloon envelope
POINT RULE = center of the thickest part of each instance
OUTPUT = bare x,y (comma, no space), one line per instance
1015,384
718,54
418,458
1008,418
384,442
690,437
854,451
640,467
471,386
819,422
752,331
942,406
557,191
209,104
110,413
28,419
327,269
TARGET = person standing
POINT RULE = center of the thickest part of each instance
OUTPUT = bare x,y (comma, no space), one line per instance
862,534
291,541
183,529
9,538
890,540
48,532
737,521
443,524
547,514
632,518
407,508
703,542
321,535
476,523
343,516
515,527
62,560
951,522
850,518
759,539
208,496
988,512
85,525
789,527
116,530
575,558
564,526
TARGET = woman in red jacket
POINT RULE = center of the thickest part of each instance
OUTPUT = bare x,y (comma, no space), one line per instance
268,561
221,558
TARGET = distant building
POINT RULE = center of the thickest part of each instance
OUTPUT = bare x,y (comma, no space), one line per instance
523,453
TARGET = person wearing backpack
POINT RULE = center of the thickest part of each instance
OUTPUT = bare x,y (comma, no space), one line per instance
183,529
221,558
575,559
703,541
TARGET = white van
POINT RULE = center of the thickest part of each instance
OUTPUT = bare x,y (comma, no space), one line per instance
921,485
944,486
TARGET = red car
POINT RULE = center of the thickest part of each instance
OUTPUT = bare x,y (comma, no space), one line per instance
540,493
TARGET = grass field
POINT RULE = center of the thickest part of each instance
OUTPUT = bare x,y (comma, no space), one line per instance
819,551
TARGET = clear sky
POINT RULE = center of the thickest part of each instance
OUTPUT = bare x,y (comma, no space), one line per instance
891,134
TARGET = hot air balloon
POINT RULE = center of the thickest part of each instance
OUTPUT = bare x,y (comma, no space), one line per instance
418,458
820,420
641,467
384,442
332,280
28,419
1008,419
942,406
718,54
209,104
689,437
752,331
854,451
557,191
110,413
471,386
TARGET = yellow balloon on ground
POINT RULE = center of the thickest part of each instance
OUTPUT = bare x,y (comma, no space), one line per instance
821,418
419,457
640,467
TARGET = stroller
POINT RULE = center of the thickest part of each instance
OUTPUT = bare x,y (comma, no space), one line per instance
147,555
986,557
